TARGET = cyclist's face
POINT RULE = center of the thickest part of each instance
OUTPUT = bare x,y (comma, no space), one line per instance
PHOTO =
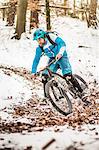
41,41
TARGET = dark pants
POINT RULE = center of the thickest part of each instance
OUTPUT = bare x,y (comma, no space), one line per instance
74,82
69,77
44,81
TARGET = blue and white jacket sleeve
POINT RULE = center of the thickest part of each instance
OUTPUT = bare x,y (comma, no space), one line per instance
36,59
61,45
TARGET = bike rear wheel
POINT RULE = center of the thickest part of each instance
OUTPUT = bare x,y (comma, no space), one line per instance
58,97
74,91
81,81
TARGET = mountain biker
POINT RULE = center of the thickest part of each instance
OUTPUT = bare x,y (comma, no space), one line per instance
55,48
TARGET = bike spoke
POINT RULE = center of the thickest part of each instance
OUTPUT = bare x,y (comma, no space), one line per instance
59,98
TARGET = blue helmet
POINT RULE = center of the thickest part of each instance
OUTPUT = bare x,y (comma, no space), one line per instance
39,33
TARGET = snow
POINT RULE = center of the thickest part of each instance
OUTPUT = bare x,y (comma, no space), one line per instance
14,90
82,47
76,34
63,139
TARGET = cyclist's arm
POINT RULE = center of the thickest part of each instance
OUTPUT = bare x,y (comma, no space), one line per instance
61,45
36,60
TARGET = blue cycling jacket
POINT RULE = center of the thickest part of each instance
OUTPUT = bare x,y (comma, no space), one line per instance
51,51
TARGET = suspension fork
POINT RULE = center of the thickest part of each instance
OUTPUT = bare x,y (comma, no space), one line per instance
59,88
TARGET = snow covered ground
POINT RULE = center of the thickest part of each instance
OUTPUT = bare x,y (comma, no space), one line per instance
83,50
64,139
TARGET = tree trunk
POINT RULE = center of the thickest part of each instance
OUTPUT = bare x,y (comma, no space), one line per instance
92,20
33,19
33,14
74,13
82,13
87,2
21,17
3,16
47,15
11,12
65,3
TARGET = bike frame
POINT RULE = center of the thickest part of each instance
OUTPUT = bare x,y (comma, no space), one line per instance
47,68
50,72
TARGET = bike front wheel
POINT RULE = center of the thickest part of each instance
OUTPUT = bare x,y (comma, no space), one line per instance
58,97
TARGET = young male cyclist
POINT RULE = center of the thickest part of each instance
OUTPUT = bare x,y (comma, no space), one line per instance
55,48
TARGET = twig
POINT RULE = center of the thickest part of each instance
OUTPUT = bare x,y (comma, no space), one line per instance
48,144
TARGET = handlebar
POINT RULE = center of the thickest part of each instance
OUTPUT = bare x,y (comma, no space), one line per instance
46,67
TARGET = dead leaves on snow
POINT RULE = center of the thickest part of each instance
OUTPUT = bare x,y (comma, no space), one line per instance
41,115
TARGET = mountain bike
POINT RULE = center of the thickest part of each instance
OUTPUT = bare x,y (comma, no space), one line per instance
58,87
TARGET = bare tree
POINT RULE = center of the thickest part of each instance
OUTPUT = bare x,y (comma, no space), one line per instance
33,13
11,12
65,3
92,19
74,11
82,13
21,17
47,15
